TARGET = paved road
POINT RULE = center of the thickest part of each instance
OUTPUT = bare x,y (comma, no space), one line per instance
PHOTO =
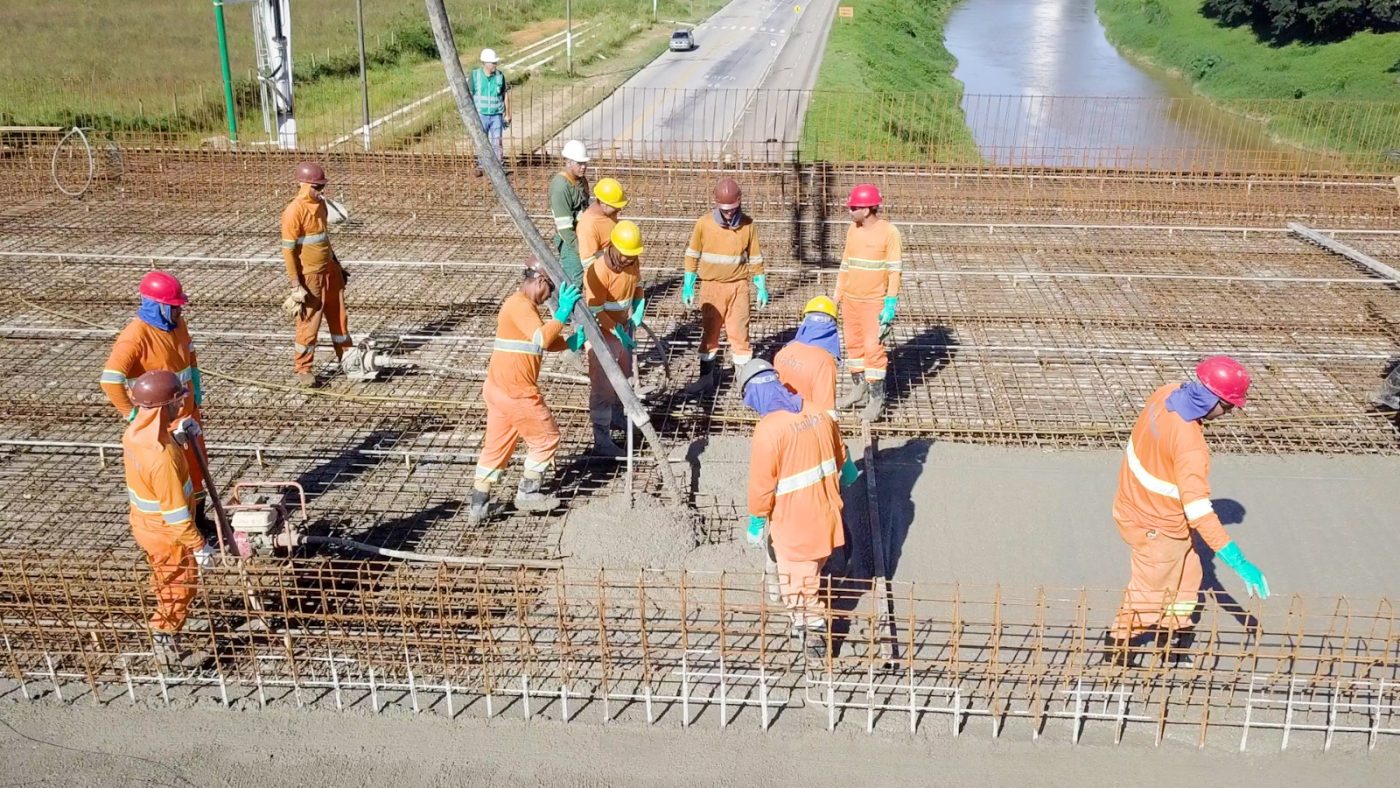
707,103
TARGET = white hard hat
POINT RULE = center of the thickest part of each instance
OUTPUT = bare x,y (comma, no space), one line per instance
488,55
574,151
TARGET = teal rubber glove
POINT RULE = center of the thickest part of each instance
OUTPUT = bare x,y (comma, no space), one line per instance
887,314
761,282
848,472
688,288
575,341
569,295
755,532
639,312
1254,581
130,417
628,343
198,380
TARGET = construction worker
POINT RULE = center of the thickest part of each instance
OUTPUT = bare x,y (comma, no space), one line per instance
317,278
807,364
160,493
491,95
797,468
1164,495
159,339
596,224
723,256
867,289
568,199
615,296
514,407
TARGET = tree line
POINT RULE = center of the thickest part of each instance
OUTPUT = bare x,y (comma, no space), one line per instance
1308,21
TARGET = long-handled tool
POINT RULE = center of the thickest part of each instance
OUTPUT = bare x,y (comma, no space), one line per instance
880,584
211,493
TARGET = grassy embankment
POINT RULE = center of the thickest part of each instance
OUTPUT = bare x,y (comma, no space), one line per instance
1342,96
885,91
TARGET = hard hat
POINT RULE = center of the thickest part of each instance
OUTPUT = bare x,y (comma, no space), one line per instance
609,192
574,151
1225,377
751,370
534,269
488,55
626,238
163,289
728,194
864,195
311,172
157,388
820,304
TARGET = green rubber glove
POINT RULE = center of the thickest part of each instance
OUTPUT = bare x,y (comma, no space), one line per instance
130,417
1254,581
569,295
198,380
575,341
848,472
628,343
887,314
761,282
639,311
688,288
756,525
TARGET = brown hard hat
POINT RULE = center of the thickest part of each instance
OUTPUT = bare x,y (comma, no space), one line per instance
727,193
157,388
312,173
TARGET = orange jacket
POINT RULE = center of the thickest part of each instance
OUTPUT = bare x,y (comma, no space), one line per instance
141,348
306,246
521,340
1164,482
794,480
719,254
871,265
610,295
811,374
158,486
594,231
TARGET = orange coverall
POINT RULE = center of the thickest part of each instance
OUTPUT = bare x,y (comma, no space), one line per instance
141,348
726,261
306,250
594,231
1163,494
794,481
514,407
610,297
809,372
871,269
161,505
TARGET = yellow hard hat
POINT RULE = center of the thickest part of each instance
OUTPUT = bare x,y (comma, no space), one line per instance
609,192
820,304
627,238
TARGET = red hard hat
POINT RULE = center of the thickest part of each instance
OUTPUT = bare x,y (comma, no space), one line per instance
864,195
312,173
727,194
163,289
1225,377
157,388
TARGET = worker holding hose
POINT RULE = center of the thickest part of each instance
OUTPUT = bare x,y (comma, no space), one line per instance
568,199
612,285
515,408
160,494
1163,496
807,364
596,224
317,278
797,468
722,258
159,339
867,289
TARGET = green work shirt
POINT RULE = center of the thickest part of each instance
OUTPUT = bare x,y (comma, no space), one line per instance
567,199
489,93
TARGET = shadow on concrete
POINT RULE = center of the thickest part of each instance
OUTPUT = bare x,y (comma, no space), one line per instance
1231,512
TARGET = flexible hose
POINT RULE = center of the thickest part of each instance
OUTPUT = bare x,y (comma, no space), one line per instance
91,168
456,560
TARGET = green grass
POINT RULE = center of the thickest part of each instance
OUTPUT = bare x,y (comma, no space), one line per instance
885,91
1343,96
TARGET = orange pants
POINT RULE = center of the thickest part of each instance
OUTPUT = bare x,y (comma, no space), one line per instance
860,321
725,305
326,299
1165,583
600,390
508,419
169,551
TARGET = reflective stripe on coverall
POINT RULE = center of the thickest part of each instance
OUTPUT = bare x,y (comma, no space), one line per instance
310,263
725,260
871,270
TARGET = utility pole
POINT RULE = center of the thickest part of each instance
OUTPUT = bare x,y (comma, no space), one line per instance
569,36
364,74
653,10
229,109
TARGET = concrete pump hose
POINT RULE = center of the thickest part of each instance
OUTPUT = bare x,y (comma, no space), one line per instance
428,558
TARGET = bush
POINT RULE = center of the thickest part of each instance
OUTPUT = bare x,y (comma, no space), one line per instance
1308,21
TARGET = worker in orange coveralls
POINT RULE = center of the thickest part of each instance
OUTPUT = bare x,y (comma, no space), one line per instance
160,494
1164,495
867,288
807,364
159,339
611,283
317,278
596,223
797,468
514,407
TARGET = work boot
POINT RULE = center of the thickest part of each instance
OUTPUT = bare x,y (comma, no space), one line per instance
306,379
1178,651
603,444
875,403
166,646
481,504
1117,652
529,498
860,390
705,383
813,643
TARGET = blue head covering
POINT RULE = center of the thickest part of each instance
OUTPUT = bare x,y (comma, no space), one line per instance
819,330
156,314
766,394
1192,401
